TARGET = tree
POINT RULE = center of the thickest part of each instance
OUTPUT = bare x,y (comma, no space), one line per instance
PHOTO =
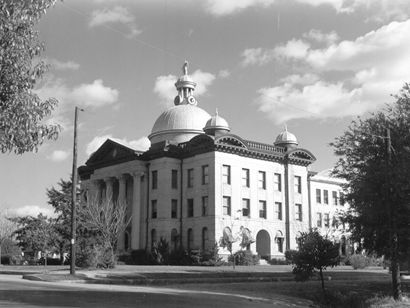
374,159
22,112
315,253
7,228
36,234
108,219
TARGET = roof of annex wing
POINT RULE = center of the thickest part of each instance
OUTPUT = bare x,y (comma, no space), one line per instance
183,121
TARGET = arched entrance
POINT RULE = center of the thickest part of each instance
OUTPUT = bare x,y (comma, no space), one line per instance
263,244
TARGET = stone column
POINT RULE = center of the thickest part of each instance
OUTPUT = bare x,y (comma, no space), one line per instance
121,200
136,211
108,192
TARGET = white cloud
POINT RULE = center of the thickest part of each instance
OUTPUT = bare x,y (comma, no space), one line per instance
321,37
365,72
117,14
165,85
141,144
63,66
226,7
94,94
293,49
58,155
224,74
32,210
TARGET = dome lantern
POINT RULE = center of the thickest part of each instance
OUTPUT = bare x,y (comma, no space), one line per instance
185,86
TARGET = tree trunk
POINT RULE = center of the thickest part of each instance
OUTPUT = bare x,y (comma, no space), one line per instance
322,280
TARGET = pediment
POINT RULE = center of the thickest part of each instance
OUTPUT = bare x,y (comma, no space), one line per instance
110,152
232,140
301,154
201,140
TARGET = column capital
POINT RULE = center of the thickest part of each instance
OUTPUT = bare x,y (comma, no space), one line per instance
138,174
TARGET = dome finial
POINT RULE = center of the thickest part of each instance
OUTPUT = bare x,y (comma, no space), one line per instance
285,127
216,111
185,68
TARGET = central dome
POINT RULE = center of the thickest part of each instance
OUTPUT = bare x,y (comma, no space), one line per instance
179,124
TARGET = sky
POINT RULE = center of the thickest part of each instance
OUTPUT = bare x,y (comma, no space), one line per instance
312,65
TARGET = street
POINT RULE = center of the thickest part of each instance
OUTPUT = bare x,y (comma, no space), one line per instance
16,292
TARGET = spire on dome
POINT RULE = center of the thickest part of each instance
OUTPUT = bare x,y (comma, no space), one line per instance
185,86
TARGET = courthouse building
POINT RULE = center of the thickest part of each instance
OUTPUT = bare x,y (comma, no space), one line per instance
199,181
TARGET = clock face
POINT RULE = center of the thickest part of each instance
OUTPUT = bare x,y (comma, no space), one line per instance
191,100
177,100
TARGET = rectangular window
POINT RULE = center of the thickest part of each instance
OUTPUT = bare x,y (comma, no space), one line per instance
277,178
298,211
190,177
262,209
319,220
153,208
174,208
245,178
204,205
205,174
278,206
227,205
298,184
325,197
246,207
154,182
334,197
341,198
190,207
326,220
174,179
226,174
318,196
262,180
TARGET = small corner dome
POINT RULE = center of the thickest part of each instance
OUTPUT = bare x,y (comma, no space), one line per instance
216,124
286,138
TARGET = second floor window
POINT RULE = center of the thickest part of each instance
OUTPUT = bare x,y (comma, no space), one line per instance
204,205
174,179
245,178
298,184
298,212
226,174
278,206
154,213
190,208
205,174
245,207
154,183
325,197
318,196
174,208
190,177
227,205
262,209
262,180
277,178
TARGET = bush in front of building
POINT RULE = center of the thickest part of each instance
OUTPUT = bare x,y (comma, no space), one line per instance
359,261
244,257
276,261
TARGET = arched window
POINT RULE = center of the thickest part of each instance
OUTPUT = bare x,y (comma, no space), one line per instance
279,240
153,237
174,239
204,237
190,239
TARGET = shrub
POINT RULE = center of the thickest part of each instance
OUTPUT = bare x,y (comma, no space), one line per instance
160,251
211,257
141,257
358,261
50,261
244,257
86,258
275,261
97,256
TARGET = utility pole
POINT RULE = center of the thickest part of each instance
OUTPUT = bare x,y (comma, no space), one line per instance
74,195
395,267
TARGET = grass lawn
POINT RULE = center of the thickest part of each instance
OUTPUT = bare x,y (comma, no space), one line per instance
345,289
